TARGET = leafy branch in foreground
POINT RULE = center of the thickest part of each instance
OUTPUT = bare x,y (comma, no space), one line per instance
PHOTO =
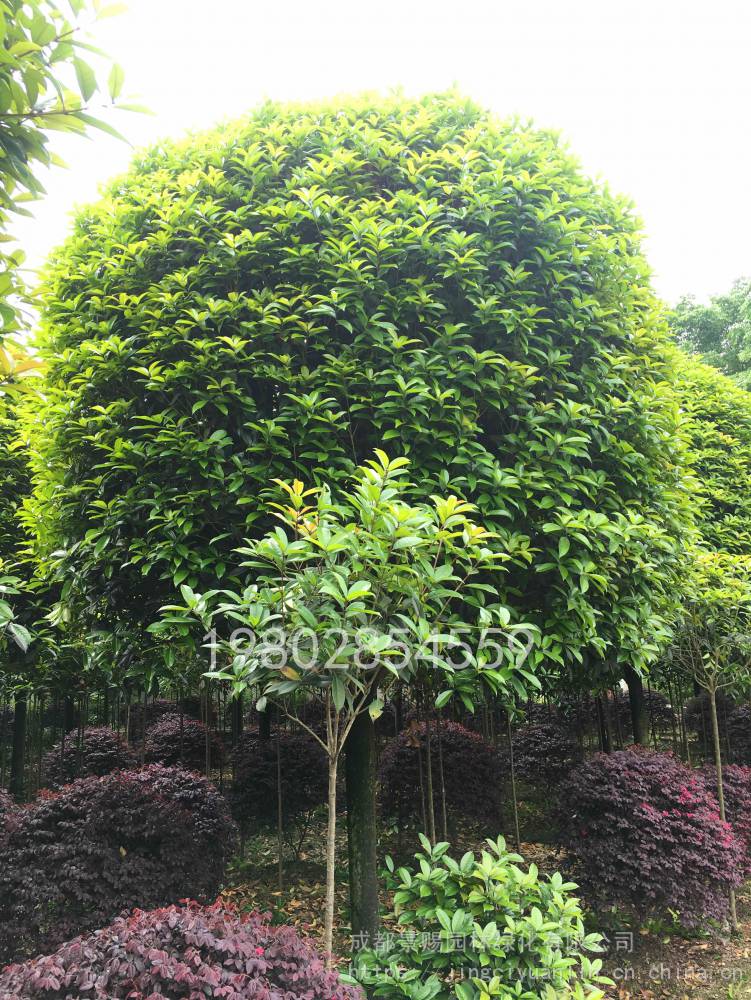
349,598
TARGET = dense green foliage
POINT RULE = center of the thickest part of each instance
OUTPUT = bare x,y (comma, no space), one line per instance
717,422
277,297
459,923
720,333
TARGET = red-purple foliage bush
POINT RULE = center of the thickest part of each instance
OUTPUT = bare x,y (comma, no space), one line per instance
736,786
99,751
7,810
178,952
540,712
648,836
181,742
78,857
697,716
304,779
739,734
544,752
658,712
153,710
471,774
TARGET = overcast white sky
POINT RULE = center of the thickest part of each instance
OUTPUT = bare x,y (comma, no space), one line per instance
653,95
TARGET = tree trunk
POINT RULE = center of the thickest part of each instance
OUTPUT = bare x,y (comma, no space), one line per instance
636,701
237,718
328,925
514,800
279,815
360,773
602,726
429,779
442,779
264,724
711,691
17,783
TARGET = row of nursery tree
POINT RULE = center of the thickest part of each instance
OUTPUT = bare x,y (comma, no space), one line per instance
344,404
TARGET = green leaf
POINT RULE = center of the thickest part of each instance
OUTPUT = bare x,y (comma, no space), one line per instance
115,81
86,78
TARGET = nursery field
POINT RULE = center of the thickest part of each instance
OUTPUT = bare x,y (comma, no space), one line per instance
375,570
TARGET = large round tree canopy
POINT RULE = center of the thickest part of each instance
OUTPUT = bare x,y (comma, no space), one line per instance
276,298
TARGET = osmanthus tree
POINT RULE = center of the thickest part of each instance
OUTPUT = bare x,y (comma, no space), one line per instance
357,592
278,297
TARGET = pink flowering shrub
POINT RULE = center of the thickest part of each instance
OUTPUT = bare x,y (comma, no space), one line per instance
177,952
736,782
647,836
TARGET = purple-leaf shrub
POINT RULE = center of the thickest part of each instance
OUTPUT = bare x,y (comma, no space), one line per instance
99,751
698,718
177,952
544,752
304,779
736,786
739,734
657,711
470,773
77,858
181,742
8,809
151,712
648,836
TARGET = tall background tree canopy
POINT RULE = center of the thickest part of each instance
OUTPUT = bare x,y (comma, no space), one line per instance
720,333
279,296
717,422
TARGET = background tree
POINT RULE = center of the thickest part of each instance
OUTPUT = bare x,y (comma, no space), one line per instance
46,83
717,423
720,333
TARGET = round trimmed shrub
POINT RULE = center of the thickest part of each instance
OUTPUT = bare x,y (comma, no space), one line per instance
140,717
253,796
177,952
657,711
697,715
76,858
739,734
648,837
471,774
736,786
181,742
99,752
544,752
